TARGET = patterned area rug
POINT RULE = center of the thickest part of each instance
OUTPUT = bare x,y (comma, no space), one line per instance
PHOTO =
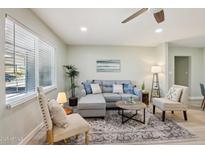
111,131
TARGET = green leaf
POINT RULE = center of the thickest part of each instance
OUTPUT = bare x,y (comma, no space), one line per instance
72,73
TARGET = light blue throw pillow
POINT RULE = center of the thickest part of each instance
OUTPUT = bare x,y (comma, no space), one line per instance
87,87
128,88
138,92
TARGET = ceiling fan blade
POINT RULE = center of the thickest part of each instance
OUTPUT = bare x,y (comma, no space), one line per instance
159,16
135,15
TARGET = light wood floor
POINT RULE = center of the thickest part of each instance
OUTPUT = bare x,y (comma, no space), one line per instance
195,124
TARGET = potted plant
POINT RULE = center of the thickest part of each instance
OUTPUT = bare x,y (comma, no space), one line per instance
72,73
143,87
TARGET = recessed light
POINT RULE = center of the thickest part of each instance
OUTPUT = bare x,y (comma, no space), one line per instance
158,30
83,29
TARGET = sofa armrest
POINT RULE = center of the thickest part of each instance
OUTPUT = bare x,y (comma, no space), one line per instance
138,92
82,93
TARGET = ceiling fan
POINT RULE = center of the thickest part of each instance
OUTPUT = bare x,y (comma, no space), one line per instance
157,12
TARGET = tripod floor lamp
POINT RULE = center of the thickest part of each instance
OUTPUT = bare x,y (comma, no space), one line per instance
155,91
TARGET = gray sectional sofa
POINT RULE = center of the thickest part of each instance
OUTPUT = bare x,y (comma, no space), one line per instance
94,105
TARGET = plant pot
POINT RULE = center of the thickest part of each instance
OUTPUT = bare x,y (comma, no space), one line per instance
73,101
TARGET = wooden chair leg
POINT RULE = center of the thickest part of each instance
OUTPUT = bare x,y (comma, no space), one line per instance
50,137
185,115
65,141
86,138
202,103
163,115
204,106
154,109
172,112
76,137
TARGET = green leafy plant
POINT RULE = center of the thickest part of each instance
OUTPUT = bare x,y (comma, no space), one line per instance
72,73
143,86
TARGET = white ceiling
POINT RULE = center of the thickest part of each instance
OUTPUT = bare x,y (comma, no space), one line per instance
105,28
198,42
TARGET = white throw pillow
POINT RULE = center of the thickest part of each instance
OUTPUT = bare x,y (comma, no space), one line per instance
117,88
96,88
174,94
58,114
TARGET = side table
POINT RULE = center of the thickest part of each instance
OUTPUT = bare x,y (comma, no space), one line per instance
68,110
145,98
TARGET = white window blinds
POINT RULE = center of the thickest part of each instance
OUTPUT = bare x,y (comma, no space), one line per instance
19,60
45,64
28,61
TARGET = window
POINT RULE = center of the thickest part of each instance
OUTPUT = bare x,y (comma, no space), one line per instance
28,61
45,64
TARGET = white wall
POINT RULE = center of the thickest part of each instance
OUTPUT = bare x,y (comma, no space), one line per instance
19,121
203,65
136,62
196,67
163,57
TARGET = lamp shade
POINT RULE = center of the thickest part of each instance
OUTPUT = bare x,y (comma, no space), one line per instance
156,69
62,98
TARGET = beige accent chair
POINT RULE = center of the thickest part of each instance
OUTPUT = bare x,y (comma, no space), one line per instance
76,124
165,104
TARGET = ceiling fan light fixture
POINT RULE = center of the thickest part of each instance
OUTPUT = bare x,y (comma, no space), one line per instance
159,16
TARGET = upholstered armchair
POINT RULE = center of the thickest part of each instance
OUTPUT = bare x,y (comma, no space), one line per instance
76,124
167,104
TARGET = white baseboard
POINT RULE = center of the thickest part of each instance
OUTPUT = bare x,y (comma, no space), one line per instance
31,134
196,98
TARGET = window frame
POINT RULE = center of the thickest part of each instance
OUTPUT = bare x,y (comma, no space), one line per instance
26,97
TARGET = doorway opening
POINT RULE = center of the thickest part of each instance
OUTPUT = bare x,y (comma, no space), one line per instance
182,70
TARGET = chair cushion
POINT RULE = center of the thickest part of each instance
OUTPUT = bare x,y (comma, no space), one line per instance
76,126
168,105
58,114
126,97
111,97
92,101
174,94
96,88
117,88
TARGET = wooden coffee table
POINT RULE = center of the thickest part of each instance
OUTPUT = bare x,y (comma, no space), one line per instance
125,105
